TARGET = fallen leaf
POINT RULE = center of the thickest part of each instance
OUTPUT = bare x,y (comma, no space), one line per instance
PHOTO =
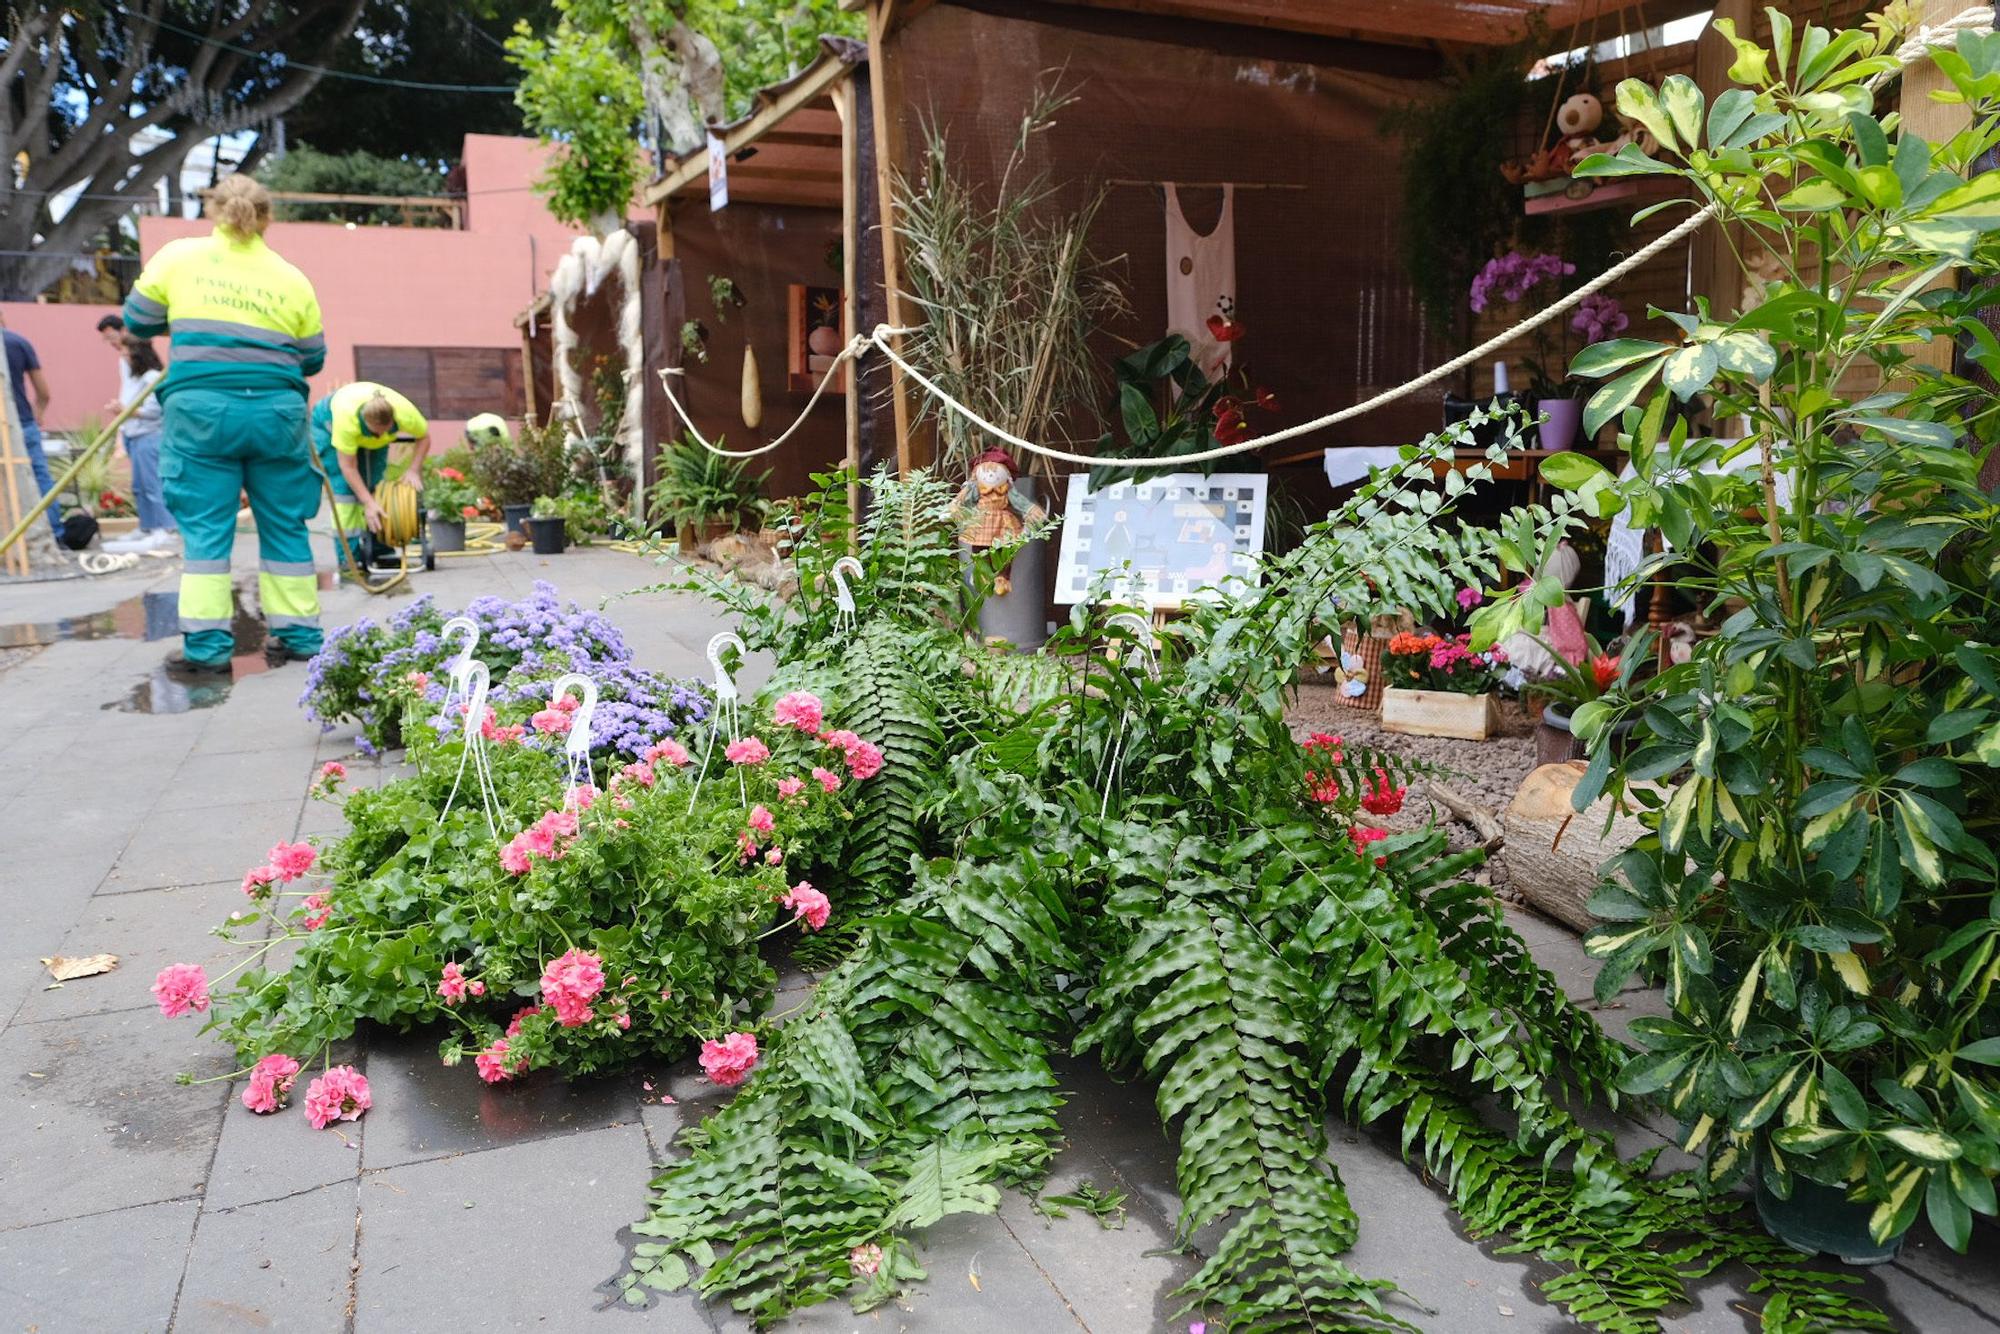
90,965
1506,1309
972,1274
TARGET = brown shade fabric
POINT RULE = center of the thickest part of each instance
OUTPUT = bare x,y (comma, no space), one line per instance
1329,316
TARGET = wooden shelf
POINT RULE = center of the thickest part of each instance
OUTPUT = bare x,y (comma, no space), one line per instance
1606,194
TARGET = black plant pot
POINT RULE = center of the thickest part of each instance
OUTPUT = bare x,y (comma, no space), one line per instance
550,535
447,534
516,517
1821,1218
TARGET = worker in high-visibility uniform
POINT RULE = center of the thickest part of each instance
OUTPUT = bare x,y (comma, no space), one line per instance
352,429
244,329
488,428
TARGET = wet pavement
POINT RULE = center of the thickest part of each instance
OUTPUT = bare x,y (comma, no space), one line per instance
130,1202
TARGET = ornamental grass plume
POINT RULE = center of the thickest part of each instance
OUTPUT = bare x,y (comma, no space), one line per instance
729,1061
180,988
341,1094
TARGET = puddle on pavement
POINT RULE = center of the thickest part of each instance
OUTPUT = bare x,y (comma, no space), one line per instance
151,617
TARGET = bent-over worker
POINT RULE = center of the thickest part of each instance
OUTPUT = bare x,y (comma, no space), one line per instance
244,328
352,429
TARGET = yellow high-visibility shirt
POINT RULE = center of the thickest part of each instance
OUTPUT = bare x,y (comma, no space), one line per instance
350,433
238,315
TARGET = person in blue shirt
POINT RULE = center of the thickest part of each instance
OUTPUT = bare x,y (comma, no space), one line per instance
24,370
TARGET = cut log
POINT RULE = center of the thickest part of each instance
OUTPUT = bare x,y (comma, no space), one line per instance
1552,852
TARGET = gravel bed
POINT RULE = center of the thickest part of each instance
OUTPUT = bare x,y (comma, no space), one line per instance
1486,772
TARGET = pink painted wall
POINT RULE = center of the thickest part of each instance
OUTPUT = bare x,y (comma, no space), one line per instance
82,372
378,286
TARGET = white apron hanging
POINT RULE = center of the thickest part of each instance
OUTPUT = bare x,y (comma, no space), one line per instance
1201,280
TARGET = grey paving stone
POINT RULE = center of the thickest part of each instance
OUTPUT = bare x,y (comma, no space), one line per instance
1112,1278
89,1275
193,848
204,782
539,1235
91,1119
267,1157
147,931
428,1110
282,1265
981,1282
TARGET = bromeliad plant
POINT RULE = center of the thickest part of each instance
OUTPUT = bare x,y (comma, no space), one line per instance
1818,890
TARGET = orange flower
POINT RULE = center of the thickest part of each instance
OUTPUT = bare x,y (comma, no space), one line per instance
1605,668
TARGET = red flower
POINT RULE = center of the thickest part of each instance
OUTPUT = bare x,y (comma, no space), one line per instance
1223,329
1266,399
469,511
1232,430
1227,406
1604,667
451,474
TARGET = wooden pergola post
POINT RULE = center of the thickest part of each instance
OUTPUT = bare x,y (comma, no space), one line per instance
885,87
1935,122
845,103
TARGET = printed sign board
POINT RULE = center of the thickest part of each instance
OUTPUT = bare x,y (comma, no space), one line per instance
1163,539
718,174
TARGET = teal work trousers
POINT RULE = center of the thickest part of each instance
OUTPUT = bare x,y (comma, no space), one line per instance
221,443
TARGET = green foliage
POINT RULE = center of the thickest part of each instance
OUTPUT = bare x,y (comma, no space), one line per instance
697,486
1816,891
765,41
306,170
581,94
535,462
448,488
590,515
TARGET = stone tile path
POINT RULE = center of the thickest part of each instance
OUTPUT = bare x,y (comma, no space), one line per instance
131,1203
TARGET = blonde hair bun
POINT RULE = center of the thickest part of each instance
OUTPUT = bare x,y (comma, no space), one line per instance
241,205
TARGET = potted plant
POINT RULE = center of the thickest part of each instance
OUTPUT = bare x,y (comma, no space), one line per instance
547,529
1817,889
1440,686
512,472
450,498
1510,280
704,493
1560,694
587,513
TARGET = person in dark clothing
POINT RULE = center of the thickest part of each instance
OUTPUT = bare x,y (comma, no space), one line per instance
24,371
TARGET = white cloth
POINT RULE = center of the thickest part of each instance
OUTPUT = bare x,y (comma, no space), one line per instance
1201,274
147,419
1347,464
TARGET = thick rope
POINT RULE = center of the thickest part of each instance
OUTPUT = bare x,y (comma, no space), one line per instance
1978,19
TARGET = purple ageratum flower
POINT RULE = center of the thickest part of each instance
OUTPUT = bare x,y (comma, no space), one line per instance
1598,317
1511,277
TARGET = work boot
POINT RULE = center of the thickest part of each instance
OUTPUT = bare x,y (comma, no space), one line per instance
178,661
277,653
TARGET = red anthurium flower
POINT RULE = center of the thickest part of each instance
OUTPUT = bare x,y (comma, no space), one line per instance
1227,406
1232,430
1223,329
1266,399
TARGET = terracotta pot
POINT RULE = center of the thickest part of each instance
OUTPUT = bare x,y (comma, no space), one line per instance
692,536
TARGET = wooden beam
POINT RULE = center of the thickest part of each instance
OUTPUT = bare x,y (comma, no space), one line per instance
1713,271
846,100
885,87
1492,24
812,86
1935,122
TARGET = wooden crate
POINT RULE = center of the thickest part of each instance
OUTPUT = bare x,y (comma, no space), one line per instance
1440,713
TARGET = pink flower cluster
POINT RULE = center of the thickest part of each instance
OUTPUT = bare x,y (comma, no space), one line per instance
271,1080
729,1061
673,752
864,759
331,775
829,781
1599,317
801,710
569,983
551,722
317,913
1511,276
284,863
179,988
492,731
808,905
341,1094
492,1063
547,838
454,986
747,750
1323,786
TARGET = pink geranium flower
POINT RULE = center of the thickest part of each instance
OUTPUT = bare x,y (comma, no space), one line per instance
865,1260
749,750
761,820
332,773
179,988
271,1080
318,914
492,1063
729,1061
292,860
800,709
865,760
569,982
791,787
1468,598
640,773
552,722
257,881
341,1094
808,905
451,986
673,752
829,781
775,857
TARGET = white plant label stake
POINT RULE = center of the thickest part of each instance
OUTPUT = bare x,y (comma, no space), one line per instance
479,682
843,597
726,713
576,748
1150,646
460,667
